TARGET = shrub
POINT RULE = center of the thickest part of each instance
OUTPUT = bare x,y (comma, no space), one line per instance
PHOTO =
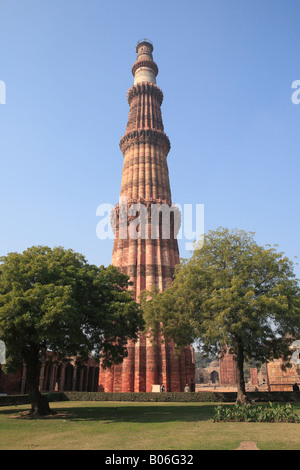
14,400
153,397
183,397
271,413
172,397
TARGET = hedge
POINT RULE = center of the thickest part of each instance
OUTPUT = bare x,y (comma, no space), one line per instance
14,400
183,397
179,397
153,397
263,413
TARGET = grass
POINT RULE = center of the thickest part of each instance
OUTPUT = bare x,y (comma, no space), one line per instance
138,426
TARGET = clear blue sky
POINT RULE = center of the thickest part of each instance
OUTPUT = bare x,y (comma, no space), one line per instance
225,68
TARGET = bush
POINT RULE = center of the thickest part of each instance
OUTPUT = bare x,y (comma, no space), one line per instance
182,397
55,396
271,413
14,400
172,397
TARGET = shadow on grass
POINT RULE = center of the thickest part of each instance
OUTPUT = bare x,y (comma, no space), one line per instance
142,414
129,413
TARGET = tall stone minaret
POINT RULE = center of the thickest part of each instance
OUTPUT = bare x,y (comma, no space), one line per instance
149,259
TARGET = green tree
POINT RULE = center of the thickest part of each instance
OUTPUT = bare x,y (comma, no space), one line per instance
232,293
53,300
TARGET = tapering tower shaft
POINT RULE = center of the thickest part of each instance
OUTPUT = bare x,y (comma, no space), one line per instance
148,260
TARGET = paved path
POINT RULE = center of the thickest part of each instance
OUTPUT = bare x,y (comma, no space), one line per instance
247,445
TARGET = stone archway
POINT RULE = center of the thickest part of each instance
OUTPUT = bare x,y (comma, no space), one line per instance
214,377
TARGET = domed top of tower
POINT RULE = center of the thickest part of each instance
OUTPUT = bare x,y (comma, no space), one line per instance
144,69
144,46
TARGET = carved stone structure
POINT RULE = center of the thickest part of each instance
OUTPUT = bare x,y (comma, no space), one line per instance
54,377
254,376
208,374
227,369
282,379
150,259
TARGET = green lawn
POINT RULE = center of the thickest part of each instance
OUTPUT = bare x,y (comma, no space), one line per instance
138,426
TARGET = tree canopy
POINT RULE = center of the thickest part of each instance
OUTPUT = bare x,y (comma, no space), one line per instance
231,294
53,300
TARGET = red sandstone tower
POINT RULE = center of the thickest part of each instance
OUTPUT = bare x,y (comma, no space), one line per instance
148,261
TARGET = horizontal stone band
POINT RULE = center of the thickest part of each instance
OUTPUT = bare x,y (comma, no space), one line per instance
143,136
144,63
145,88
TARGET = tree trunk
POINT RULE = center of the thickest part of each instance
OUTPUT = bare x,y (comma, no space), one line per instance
240,381
39,403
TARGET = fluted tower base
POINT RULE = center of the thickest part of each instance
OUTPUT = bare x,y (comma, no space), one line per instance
147,365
